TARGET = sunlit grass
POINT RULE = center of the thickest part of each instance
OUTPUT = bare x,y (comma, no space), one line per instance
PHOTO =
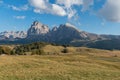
59,67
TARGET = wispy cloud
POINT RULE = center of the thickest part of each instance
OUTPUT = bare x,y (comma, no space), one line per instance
20,8
20,17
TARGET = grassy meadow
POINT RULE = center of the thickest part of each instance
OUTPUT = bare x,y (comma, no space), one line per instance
77,64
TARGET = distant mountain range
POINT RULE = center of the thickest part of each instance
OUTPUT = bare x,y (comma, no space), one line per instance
11,35
66,34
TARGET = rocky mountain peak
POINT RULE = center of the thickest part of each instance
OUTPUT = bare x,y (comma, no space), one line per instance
36,24
38,28
54,28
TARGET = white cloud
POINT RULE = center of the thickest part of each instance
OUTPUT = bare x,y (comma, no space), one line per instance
21,8
40,4
43,6
111,11
20,17
69,3
58,10
60,7
68,6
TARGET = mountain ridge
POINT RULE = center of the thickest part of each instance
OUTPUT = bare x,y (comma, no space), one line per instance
11,35
65,34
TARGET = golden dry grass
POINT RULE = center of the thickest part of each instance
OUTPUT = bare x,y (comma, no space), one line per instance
80,64
62,67
53,49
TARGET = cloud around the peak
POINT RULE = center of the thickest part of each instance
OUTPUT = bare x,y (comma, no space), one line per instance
111,11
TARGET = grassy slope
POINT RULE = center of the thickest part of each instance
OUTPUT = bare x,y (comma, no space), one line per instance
87,64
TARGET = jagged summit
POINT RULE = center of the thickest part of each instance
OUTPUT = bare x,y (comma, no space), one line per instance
38,28
35,23
54,28
65,32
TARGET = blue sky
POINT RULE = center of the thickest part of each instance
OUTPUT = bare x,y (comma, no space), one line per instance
95,16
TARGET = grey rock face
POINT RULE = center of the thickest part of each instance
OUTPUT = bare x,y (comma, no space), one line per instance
65,33
54,29
38,28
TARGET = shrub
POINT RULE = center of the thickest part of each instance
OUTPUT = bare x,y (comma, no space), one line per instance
65,50
12,52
